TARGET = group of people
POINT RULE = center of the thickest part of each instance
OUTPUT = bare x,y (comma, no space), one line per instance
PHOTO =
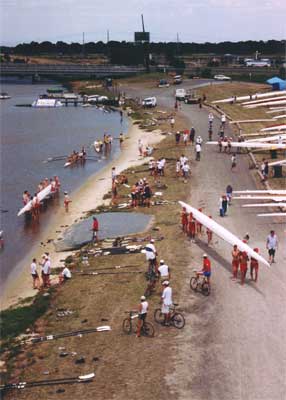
141,194
157,167
144,152
45,265
77,156
193,228
187,136
36,204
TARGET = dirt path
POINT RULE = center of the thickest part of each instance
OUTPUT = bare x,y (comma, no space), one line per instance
233,346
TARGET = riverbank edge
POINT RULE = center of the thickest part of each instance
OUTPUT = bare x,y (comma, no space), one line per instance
87,197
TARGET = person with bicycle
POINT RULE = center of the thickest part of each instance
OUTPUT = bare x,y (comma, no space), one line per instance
142,314
206,270
151,255
166,302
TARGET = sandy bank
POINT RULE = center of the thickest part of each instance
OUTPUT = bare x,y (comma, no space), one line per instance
87,197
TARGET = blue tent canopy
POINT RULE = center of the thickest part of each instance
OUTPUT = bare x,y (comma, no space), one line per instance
277,83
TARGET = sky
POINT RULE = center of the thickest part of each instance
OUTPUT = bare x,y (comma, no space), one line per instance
193,20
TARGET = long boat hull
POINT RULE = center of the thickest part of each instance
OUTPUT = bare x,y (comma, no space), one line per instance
41,196
252,145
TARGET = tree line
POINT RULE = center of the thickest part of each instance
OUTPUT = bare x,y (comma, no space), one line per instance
131,53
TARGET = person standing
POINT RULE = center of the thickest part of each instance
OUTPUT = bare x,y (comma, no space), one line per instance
166,302
272,245
46,268
192,228
235,261
34,273
192,135
209,234
254,267
172,122
121,139
233,162
140,147
198,151
151,255
67,201
243,259
177,137
185,138
95,228
184,220
224,204
229,191
223,120
220,203
211,118
164,271
142,314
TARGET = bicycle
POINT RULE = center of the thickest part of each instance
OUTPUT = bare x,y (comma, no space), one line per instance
147,329
199,282
176,319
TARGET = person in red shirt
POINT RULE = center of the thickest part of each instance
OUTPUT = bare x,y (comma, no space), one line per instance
235,261
184,220
95,228
199,225
254,266
206,271
209,234
243,259
192,228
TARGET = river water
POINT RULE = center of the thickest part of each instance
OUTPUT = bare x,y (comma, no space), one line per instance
29,136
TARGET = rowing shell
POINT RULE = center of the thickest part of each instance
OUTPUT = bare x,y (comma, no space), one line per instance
223,233
67,164
41,195
265,191
251,145
272,215
265,205
249,97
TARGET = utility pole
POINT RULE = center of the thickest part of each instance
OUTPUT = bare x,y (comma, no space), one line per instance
83,50
107,36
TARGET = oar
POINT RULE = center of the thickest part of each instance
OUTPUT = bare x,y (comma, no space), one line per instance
108,273
55,158
48,382
67,334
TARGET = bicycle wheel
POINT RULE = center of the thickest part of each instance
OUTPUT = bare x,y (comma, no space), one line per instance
194,283
206,289
127,326
158,316
148,329
178,320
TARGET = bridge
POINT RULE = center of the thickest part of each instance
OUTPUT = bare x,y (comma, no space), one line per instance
69,70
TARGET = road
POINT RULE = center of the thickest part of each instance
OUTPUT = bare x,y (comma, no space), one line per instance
233,346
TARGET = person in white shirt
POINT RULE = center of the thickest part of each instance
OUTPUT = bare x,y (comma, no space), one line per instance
178,168
142,314
46,271
65,275
211,118
199,140
198,151
34,273
183,160
166,302
186,168
272,245
164,271
151,254
223,120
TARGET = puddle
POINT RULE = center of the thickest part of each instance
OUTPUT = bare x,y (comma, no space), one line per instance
110,225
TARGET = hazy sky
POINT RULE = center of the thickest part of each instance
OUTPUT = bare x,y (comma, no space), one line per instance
194,20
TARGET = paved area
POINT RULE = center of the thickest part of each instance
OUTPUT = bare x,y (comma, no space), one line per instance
233,346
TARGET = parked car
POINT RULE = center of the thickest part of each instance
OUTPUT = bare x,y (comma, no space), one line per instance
222,78
163,83
191,98
149,102
177,79
180,94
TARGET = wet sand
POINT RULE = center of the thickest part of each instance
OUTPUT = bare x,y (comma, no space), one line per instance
87,197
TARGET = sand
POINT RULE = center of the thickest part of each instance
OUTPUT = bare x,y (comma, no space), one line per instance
87,197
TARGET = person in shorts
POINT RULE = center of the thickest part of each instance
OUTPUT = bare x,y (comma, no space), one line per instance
142,314
272,245
166,302
206,270
34,273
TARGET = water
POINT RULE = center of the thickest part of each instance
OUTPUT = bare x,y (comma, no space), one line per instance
28,137
111,225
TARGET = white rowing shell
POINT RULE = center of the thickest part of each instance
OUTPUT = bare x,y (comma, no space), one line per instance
265,205
41,195
254,96
272,215
223,233
96,146
252,145
249,197
270,191
274,128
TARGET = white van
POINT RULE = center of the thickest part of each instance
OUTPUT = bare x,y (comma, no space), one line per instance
180,94
149,102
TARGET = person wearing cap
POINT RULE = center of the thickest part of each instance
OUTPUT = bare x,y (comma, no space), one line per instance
67,201
46,271
206,270
142,314
166,302
243,259
151,254
254,266
164,271
95,228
